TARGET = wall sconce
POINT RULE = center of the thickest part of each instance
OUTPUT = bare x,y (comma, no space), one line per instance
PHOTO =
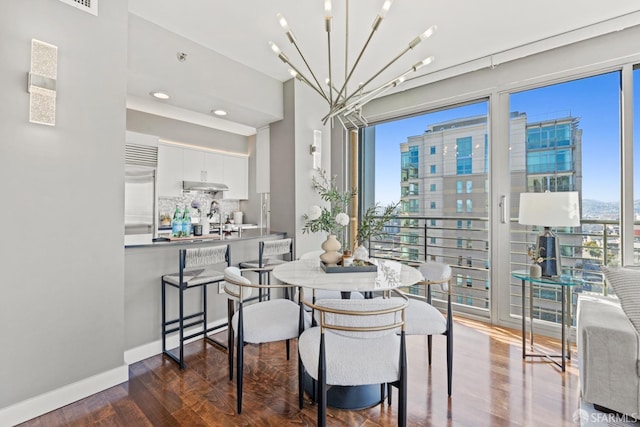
315,149
42,83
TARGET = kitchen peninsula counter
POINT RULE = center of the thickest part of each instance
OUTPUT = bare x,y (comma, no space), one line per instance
147,261
146,240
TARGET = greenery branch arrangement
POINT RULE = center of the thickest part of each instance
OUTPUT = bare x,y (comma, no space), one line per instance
333,219
374,220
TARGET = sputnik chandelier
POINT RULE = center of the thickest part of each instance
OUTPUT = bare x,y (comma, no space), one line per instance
344,106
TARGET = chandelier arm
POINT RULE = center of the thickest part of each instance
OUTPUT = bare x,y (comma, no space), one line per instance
351,121
304,79
355,64
324,95
346,47
405,50
374,93
330,79
413,43
335,90
348,109
374,27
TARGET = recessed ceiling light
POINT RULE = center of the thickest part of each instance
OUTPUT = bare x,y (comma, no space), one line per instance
219,112
160,95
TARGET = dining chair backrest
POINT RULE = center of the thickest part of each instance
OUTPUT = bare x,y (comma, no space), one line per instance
362,318
234,282
436,273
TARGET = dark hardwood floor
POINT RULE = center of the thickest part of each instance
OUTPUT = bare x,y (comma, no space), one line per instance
492,386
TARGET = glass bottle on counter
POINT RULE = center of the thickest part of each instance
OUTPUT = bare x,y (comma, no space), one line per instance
186,222
176,223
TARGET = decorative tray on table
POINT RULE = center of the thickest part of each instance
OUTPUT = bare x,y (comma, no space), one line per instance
338,268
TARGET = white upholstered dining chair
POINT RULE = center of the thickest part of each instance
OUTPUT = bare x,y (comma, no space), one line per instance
332,352
422,318
258,322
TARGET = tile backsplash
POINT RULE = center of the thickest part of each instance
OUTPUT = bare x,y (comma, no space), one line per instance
167,205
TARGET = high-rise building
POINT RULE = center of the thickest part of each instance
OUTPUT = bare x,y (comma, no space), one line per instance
444,180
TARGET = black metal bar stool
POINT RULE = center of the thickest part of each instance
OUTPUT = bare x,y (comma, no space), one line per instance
195,271
267,250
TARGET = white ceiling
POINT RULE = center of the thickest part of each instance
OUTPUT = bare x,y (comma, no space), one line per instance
241,29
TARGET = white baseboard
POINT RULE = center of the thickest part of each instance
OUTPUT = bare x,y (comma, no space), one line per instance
54,399
151,349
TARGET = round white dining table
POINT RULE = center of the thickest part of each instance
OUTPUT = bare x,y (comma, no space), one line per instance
308,274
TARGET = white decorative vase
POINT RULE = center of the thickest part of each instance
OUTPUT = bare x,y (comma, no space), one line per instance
361,253
535,271
331,246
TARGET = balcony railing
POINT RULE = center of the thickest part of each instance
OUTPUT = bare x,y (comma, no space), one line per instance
463,243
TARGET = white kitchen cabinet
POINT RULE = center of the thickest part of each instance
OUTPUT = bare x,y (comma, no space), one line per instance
203,166
214,166
177,164
236,176
193,165
170,170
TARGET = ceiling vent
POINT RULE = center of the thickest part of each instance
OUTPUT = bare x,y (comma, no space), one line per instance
90,6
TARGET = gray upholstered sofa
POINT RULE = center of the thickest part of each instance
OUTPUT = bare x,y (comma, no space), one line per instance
608,355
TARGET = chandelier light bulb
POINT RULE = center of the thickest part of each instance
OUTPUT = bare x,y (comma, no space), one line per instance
283,22
275,48
327,8
428,33
385,8
422,63
293,72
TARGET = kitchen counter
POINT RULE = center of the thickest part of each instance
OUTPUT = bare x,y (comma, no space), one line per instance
146,261
142,240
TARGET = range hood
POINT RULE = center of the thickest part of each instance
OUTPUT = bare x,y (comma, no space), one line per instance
209,187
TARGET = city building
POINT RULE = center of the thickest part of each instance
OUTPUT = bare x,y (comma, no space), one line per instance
444,192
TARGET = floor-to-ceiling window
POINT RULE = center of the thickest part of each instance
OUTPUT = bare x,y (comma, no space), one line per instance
566,137
541,136
435,167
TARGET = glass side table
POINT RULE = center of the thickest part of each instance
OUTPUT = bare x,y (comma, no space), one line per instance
565,282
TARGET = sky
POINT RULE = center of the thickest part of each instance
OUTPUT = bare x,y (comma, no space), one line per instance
594,100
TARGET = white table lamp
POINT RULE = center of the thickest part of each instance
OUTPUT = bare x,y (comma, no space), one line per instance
559,209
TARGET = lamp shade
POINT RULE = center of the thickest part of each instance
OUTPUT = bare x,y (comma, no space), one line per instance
560,209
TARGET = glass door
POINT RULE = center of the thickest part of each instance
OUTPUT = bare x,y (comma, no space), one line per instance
436,167
566,137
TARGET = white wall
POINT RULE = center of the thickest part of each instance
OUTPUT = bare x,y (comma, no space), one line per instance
309,109
61,309
292,164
